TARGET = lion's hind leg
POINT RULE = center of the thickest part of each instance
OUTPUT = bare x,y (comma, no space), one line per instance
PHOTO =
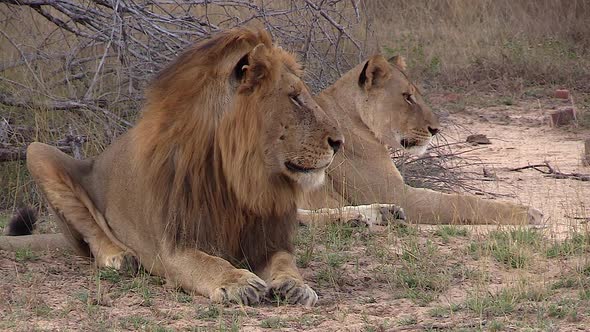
58,176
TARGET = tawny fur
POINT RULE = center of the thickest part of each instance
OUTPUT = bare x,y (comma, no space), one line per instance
208,179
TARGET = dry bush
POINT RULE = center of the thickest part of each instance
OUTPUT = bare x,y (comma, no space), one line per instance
96,56
80,67
443,168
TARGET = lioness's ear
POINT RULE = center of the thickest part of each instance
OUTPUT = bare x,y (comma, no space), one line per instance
398,61
253,68
375,72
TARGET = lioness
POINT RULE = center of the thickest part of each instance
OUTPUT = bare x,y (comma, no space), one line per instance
376,104
209,177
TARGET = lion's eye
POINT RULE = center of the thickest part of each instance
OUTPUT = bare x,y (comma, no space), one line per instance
295,100
409,98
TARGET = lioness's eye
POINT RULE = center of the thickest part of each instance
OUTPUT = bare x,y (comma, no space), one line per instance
409,98
295,100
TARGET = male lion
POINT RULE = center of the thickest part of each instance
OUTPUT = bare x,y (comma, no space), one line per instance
375,105
208,179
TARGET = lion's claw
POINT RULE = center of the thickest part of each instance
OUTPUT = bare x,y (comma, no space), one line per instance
130,265
294,291
246,288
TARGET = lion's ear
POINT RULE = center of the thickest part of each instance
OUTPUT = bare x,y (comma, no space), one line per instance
398,61
375,72
253,68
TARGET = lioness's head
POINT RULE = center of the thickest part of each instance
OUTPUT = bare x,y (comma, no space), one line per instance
393,108
283,123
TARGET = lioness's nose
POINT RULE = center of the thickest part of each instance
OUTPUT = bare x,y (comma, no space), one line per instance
335,143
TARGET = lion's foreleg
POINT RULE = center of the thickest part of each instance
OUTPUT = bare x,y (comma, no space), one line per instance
213,277
285,281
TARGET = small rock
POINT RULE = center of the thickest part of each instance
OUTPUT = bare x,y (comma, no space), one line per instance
562,117
477,139
562,94
488,173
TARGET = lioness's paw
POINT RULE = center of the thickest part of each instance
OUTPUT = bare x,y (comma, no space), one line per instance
534,216
294,291
382,214
391,212
242,287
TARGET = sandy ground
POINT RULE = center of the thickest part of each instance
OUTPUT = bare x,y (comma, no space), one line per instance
387,279
520,136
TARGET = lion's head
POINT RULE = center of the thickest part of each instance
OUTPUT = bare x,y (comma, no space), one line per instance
281,121
230,126
393,107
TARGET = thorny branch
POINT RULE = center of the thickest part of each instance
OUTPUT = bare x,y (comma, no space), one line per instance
109,49
147,34
444,167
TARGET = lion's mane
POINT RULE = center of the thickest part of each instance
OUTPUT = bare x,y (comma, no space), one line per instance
201,156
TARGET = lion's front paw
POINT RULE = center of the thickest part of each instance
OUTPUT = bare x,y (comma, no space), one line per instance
125,262
293,290
242,287
534,216
130,265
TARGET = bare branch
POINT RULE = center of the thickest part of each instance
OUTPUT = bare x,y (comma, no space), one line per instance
550,171
62,105
12,153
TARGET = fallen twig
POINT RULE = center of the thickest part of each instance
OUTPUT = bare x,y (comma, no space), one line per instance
553,173
535,167
63,105
583,219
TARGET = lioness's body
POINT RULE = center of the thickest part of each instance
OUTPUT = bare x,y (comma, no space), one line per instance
209,177
368,103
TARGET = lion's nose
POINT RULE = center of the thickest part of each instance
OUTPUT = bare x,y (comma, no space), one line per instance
335,143
433,131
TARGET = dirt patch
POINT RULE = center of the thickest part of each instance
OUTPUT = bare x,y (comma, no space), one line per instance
520,136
